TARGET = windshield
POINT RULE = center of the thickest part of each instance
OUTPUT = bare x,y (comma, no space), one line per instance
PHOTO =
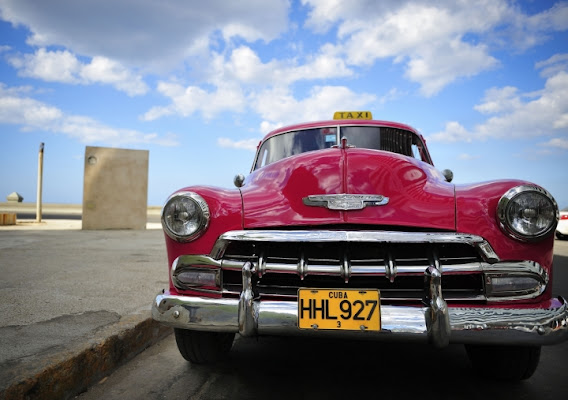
367,137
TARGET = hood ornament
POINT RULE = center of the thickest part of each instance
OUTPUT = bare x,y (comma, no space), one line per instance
345,202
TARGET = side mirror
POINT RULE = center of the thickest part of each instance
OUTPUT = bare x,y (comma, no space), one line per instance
239,180
448,174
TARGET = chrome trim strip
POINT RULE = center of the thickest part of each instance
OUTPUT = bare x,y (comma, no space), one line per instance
390,270
345,202
198,313
196,259
189,263
358,270
527,326
306,236
349,236
518,269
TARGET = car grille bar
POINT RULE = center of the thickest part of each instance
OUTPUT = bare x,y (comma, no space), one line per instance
284,261
303,268
392,237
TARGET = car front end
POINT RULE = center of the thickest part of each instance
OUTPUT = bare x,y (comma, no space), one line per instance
337,234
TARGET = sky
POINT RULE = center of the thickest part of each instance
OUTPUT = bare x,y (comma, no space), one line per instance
198,84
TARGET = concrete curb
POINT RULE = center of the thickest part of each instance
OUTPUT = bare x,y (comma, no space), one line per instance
65,374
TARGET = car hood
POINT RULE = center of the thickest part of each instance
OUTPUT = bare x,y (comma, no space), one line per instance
418,197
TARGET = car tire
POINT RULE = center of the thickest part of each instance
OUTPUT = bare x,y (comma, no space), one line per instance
203,347
561,236
510,363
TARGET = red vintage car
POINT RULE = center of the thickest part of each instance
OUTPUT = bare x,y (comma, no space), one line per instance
345,229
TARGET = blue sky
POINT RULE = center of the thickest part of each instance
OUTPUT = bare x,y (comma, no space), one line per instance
198,84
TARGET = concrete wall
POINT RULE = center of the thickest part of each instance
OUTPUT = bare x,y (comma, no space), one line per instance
115,188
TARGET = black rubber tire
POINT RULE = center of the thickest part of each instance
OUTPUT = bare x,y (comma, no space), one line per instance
507,363
561,236
203,347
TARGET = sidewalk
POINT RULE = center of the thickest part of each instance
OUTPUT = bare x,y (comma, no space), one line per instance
74,304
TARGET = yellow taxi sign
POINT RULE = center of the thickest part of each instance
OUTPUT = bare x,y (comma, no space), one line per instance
352,115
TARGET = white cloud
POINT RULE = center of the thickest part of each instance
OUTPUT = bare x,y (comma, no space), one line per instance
545,113
324,14
28,112
103,70
467,157
435,44
266,126
146,33
246,67
238,78
87,130
438,42
553,65
454,132
54,66
246,144
279,104
32,114
529,30
279,107
541,116
499,100
443,63
185,101
63,66
559,143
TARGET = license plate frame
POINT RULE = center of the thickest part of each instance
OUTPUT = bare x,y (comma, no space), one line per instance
339,309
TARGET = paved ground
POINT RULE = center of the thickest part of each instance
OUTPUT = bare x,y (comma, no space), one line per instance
74,304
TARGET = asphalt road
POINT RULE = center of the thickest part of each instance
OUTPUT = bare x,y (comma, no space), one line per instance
26,216
300,368
50,215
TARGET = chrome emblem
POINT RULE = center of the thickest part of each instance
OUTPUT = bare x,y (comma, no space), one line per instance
345,202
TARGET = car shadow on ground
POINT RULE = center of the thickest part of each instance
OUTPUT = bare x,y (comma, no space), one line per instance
560,276
284,368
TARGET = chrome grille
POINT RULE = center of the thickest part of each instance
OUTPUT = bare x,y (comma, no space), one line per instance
395,267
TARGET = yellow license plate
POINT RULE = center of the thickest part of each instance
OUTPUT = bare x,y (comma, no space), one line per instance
350,309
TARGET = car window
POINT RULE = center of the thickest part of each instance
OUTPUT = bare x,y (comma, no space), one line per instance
296,142
367,137
387,139
379,138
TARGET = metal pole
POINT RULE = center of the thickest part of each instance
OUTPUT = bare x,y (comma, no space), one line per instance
39,182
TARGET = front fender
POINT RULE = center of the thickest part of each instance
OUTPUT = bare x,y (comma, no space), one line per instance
225,207
477,214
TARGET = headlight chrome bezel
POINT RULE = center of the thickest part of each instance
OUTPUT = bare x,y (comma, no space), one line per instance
202,216
508,200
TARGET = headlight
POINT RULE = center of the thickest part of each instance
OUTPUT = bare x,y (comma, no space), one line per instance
527,212
185,216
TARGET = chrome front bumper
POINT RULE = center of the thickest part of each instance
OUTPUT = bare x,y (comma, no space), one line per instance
467,325
435,322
